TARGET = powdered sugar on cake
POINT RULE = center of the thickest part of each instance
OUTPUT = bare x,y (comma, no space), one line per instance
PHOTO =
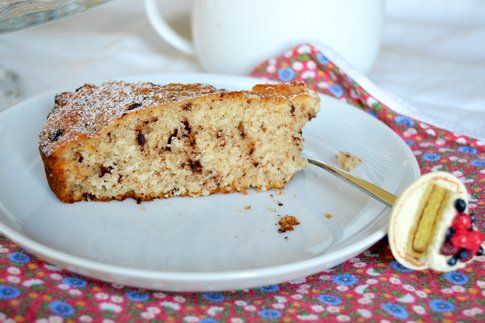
90,108
87,110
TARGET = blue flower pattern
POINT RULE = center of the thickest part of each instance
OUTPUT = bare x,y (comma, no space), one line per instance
345,279
456,277
322,59
61,308
395,310
213,297
400,268
208,320
330,299
336,90
270,314
405,121
270,289
467,150
286,74
19,257
441,306
478,162
431,157
8,292
137,296
74,282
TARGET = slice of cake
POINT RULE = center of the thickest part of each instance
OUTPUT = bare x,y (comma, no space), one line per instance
144,141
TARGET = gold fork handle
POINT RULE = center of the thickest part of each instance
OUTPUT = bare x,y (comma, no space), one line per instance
365,186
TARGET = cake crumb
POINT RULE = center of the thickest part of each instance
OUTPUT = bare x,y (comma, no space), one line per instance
280,204
328,215
286,238
248,207
287,223
348,161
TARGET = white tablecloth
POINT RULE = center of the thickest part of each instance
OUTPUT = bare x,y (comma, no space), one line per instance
433,54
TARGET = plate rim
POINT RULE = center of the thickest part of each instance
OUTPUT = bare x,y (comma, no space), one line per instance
83,265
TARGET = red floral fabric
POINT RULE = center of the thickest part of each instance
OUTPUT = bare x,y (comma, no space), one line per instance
371,286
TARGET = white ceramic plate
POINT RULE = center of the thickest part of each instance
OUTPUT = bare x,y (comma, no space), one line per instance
208,243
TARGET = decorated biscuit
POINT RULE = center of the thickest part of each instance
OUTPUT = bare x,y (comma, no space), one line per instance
430,226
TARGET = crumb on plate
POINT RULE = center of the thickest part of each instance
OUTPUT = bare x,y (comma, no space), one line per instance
248,207
328,215
348,161
287,223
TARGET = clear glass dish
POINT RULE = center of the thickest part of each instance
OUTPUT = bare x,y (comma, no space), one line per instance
20,14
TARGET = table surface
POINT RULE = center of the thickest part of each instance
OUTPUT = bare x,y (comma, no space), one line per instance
433,54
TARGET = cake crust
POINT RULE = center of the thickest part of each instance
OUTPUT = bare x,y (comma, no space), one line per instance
92,112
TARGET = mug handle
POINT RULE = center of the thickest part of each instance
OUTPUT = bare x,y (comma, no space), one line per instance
164,30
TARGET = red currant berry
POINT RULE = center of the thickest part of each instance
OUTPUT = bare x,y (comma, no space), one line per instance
461,240
461,221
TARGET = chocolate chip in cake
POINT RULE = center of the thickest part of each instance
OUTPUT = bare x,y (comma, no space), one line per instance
187,106
56,135
187,128
133,106
173,135
103,170
79,157
292,110
88,196
140,139
60,99
240,127
195,166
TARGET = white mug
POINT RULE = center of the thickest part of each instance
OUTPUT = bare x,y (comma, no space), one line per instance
231,36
